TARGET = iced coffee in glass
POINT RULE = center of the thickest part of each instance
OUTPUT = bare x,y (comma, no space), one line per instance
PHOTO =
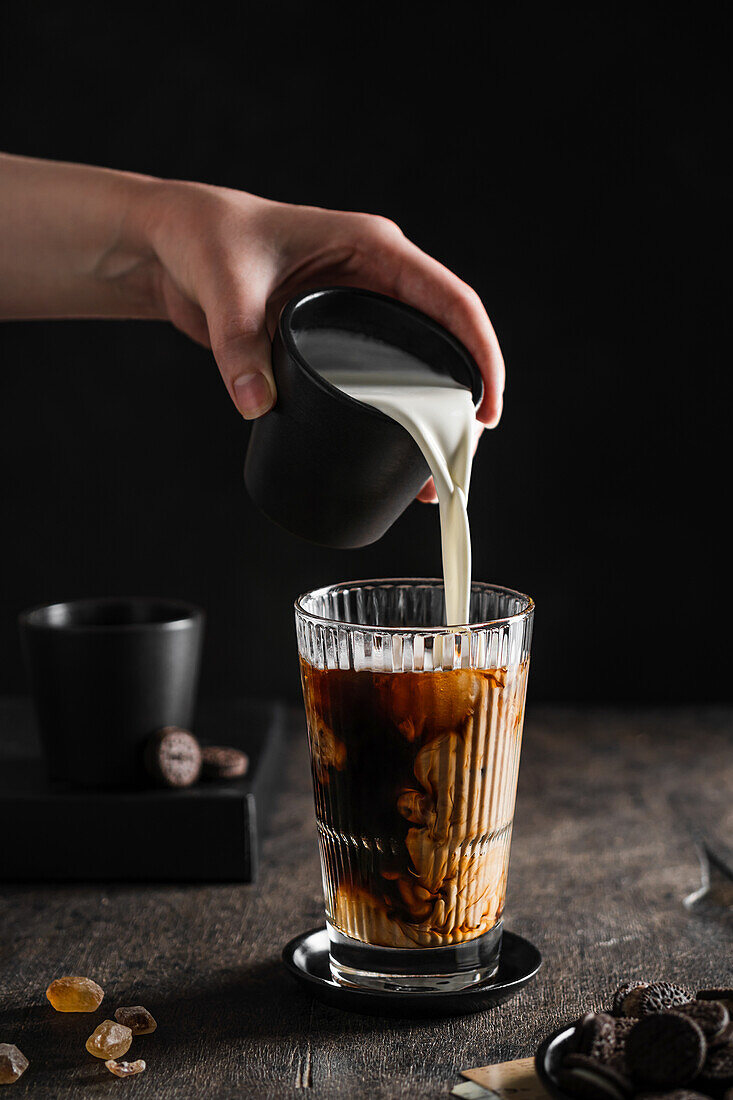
415,732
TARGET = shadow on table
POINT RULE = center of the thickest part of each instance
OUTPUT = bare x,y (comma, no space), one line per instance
258,1002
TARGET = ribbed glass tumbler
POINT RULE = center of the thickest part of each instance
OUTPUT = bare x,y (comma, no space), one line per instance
415,732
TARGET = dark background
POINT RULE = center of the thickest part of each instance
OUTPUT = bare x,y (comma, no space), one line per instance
564,160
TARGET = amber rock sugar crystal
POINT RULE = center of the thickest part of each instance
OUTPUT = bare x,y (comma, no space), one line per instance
109,1040
75,995
13,1063
125,1069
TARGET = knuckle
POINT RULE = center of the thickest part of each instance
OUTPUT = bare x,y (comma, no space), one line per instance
231,329
386,229
376,229
467,297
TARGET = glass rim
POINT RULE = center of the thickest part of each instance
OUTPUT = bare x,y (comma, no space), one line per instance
412,582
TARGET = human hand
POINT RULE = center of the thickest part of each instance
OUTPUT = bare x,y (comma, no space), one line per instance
220,264
228,262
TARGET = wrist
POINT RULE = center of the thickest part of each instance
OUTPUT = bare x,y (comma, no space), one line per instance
186,231
128,267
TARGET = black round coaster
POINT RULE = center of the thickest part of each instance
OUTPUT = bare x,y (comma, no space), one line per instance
306,957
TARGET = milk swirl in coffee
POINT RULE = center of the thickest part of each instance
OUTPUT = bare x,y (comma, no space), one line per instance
415,778
438,413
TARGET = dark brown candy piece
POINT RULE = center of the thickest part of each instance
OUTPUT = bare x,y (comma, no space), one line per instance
623,991
665,1050
659,996
595,1036
222,762
173,757
137,1018
717,1073
711,1017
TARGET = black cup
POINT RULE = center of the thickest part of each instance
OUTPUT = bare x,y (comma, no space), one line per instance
106,673
326,466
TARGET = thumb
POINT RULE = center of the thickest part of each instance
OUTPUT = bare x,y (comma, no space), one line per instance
242,349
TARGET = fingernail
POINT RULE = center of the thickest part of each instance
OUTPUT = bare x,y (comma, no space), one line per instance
252,394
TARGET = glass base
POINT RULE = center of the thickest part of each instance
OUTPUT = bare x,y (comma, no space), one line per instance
412,970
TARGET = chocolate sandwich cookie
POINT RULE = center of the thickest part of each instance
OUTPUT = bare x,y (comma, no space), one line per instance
665,1050
726,1036
623,991
587,1079
595,1036
622,1025
725,996
674,1094
717,1073
609,1072
173,757
659,996
631,1003
617,1061
621,1031
710,1016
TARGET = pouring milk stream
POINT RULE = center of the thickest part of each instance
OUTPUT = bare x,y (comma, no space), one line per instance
438,413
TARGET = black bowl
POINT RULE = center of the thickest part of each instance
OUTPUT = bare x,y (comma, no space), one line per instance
323,465
548,1060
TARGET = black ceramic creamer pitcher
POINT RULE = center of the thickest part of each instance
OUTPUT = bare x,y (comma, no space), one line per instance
322,464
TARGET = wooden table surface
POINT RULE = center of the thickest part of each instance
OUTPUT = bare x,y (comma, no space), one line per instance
613,808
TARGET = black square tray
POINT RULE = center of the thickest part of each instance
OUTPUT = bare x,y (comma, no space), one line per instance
210,832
